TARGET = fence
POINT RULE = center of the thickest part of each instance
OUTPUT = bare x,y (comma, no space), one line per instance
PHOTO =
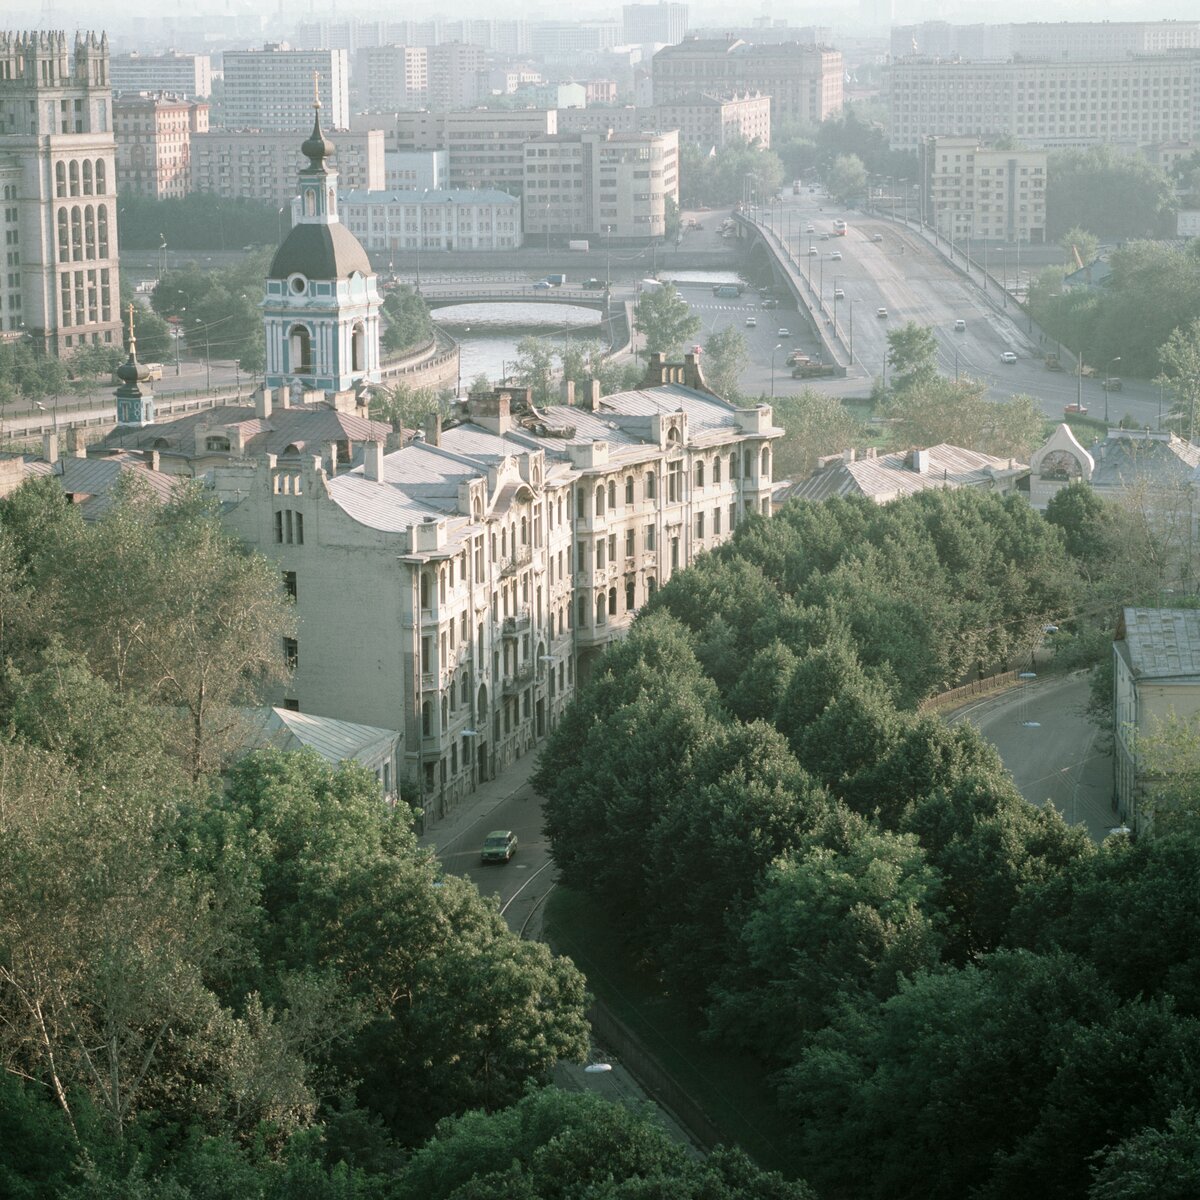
977,687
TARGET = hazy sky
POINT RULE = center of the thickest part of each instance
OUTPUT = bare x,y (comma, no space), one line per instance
847,13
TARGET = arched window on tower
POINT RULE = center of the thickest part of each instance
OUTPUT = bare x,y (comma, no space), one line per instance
101,182
300,345
87,176
60,179
310,203
358,348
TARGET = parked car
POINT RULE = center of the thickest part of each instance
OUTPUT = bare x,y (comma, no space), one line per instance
751,322
960,326
1008,358
881,313
839,294
783,333
543,285
593,285
499,846
1111,384
836,256
1075,410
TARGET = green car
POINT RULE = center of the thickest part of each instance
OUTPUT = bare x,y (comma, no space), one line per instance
499,846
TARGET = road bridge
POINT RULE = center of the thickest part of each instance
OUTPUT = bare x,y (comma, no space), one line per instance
441,296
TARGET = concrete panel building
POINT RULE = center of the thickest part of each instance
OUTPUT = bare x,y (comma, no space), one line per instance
393,77
457,76
708,121
1132,103
262,165
977,192
664,23
59,278
272,88
475,219
614,186
154,143
185,75
803,81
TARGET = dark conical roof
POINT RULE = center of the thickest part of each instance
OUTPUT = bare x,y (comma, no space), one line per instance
319,252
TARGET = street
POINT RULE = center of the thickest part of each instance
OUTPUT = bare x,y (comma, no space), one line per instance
1050,747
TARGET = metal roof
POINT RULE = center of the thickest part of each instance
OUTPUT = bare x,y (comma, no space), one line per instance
1162,643
335,741
890,476
90,481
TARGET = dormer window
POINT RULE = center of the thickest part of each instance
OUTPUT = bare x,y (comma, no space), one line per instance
298,285
217,444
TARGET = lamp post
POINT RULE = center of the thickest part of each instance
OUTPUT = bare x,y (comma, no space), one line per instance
1107,381
778,347
207,357
851,303
835,300
420,234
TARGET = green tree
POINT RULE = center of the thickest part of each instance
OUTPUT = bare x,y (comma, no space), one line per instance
406,320
912,355
200,221
1116,196
1180,358
405,408
942,410
814,425
663,318
534,368
725,358
846,178
1155,1163
1079,247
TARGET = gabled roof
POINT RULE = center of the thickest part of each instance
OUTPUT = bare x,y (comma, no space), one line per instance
887,477
1161,643
1137,456
335,741
90,481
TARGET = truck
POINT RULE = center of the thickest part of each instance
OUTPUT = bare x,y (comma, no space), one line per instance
727,290
556,280
1053,363
577,244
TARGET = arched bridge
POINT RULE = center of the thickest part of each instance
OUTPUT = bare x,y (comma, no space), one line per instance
444,297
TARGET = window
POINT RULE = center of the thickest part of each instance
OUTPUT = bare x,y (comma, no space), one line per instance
674,554
612,602
289,583
600,501
700,473
733,466
766,464
700,527
628,489
291,653
675,482
630,593
426,719
651,487
581,612
649,540
612,494
600,555
716,522
601,610
629,543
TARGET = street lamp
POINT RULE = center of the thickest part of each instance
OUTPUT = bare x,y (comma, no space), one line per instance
207,357
1107,382
778,347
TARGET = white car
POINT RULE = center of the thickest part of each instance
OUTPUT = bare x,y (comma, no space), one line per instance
809,229
881,313
960,326
813,251
839,294
836,256
783,333
1008,358
751,322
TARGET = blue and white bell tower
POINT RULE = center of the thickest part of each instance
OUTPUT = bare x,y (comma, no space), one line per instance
321,310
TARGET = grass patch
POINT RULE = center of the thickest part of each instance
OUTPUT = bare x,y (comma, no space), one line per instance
731,1088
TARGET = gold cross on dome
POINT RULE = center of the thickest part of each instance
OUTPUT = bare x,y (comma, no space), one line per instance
316,89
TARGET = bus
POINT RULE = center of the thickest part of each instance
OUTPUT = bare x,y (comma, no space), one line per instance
839,228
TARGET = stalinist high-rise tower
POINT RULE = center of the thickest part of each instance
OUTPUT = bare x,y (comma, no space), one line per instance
58,192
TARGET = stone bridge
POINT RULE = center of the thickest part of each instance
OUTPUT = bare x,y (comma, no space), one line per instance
436,296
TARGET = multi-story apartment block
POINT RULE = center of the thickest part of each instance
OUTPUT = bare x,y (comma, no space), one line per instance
272,88
457,76
501,36
262,165
708,121
186,75
664,23
1045,41
414,170
475,219
59,176
484,147
975,191
154,136
393,77
1135,102
609,185
600,91
803,81
460,586
565,40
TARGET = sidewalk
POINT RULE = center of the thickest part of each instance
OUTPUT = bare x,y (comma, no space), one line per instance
445,831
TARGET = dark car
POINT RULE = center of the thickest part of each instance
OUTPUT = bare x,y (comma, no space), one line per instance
1111,384
770,302
499,846
593,285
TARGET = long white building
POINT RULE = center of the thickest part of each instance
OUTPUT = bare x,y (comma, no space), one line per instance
272,88
440,219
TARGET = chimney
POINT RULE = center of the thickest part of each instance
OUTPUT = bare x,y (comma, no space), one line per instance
919,460
331,457
263,403
849,456
50,447
594,406
373,461
153,463
433,429
568,392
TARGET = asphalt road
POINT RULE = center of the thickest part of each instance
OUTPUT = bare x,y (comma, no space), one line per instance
1051,748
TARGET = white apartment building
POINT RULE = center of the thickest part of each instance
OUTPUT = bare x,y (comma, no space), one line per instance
714,121
185,75
456,219
414,170
460,586
272,88
393,77
154,143
262,165
664,23
976,192
457,76
803,81
59,276
609,185
1133,103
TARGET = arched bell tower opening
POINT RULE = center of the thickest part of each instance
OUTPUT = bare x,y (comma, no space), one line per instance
322,302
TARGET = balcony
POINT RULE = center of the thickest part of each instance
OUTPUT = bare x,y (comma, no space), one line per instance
518,679
521,557
518,624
